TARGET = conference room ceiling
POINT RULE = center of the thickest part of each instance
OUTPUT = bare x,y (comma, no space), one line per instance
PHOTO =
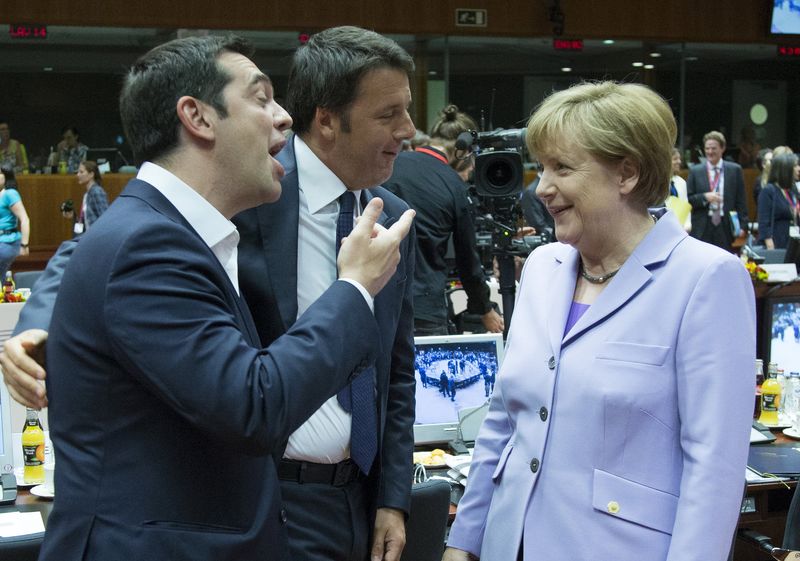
107,50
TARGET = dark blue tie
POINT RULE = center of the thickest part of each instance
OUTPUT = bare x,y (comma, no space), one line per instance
672,190
358,398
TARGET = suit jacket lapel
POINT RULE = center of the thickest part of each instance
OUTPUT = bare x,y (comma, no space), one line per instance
634,275
560,300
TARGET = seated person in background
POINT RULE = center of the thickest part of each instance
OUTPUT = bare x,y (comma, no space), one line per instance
534,211
778,202
426,181
12,152
95,200
70,149
677,185
15,227
762,163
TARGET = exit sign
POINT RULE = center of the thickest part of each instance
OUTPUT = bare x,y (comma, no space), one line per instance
27,31
568,44
788,51
471,18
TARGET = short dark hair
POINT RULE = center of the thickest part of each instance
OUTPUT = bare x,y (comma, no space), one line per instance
327,71
781,171
11,178
72,128
156,81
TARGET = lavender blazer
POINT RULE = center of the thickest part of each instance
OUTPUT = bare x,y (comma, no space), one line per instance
627,438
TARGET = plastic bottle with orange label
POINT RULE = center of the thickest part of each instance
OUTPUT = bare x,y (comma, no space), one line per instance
33,448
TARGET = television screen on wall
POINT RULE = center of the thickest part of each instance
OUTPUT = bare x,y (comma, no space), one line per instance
785,17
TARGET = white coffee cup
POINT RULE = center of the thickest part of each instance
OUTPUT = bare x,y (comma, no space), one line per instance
49,478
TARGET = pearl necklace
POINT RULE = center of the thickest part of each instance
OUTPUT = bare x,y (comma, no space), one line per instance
602,279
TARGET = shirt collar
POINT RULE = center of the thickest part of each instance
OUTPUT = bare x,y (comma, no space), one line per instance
318,183
201,215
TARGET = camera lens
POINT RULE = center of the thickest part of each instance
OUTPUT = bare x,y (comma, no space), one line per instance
499,174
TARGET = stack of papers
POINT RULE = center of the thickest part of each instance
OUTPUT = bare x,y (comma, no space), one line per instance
459,468
752,476
14,524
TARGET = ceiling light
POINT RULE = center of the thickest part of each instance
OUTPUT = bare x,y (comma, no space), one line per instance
48,68
648,66
638,64
690,58
608,42
566,69
655,54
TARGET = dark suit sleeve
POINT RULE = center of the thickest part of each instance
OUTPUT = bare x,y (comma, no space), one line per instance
398,434
38,310
741,200
694,193
766,212
467,261
170,323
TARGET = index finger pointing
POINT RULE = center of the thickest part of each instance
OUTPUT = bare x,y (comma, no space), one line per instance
402,226
368,218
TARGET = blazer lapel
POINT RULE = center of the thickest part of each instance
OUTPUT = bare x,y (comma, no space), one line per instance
560,298
634,274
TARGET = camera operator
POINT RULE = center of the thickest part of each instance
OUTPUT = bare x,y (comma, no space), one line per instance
426,181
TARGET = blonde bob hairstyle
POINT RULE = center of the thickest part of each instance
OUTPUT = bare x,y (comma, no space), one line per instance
611,121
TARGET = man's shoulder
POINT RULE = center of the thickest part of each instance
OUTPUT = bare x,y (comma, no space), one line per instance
392,204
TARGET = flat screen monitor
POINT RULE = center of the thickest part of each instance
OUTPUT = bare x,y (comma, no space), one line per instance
782,332
455,373
785,17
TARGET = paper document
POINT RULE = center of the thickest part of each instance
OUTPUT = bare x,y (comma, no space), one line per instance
758,436
752,476
20,524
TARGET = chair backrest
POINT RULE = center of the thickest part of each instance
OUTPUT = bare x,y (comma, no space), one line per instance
791,535
23,548
427,522
26,279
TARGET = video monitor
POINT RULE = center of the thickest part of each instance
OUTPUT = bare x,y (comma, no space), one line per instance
785,17
782,332
454,373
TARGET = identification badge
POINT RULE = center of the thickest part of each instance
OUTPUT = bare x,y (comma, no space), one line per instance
78,228
794,231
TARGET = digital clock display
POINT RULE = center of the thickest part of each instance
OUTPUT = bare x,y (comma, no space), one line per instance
27,31
568,44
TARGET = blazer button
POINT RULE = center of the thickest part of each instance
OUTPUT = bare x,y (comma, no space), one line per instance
283,516
543,413
534,465
613,507
551,364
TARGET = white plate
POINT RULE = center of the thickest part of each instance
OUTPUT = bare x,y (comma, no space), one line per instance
41,491
19,473
792,432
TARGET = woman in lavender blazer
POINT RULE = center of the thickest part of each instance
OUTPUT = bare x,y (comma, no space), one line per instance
619,427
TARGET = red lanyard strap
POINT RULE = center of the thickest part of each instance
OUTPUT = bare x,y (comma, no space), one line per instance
433,153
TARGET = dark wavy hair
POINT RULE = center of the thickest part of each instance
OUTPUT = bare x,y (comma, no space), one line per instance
781,171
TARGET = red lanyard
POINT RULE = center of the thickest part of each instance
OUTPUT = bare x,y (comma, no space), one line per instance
794,204
433,153
714,184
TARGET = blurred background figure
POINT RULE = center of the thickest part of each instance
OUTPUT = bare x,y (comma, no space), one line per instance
677,185
95,200
778,202
70,149
15,228
13,155
748,147
421,138
426,180
762,163
600,441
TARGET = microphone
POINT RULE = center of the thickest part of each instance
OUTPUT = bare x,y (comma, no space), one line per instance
458,446
464,140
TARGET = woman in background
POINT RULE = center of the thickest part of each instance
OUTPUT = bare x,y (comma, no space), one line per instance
15,228
625,399
762,163
95,200
677,185
778,202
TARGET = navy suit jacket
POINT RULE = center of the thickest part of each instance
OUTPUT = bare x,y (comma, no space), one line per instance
268,277
164,410
733,198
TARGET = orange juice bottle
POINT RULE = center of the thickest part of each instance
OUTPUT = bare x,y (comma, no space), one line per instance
770,399
33,448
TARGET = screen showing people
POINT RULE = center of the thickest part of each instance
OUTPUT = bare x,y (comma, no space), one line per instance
785,335
453,373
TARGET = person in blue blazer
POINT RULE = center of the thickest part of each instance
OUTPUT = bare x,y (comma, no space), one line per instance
619,426
165,410
349,99
715,189
779,202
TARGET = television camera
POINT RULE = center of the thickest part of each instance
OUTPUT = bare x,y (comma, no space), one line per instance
497,185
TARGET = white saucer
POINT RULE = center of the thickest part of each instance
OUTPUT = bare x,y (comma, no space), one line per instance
792,432
19,473
41,491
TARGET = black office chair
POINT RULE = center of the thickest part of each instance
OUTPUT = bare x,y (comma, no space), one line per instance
26,279
790,548
21,548
427,522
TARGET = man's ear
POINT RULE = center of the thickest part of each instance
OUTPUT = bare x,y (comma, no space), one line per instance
326,123
196,117
628,176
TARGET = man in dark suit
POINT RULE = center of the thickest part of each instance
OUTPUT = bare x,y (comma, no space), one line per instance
166,413
715,189
348,96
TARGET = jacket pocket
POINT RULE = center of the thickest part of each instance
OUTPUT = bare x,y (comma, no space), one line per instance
653,355
634,502
183,526
501,463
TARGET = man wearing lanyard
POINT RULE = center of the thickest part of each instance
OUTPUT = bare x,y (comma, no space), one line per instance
715,190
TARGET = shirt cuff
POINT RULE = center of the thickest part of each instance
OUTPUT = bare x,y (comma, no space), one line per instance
367,296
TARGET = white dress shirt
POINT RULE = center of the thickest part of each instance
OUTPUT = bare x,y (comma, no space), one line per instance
219,233
721,188
325,436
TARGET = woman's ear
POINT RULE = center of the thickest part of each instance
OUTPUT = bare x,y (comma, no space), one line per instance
628,176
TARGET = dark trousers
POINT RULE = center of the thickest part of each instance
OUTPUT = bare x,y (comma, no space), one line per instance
327,523
718,235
